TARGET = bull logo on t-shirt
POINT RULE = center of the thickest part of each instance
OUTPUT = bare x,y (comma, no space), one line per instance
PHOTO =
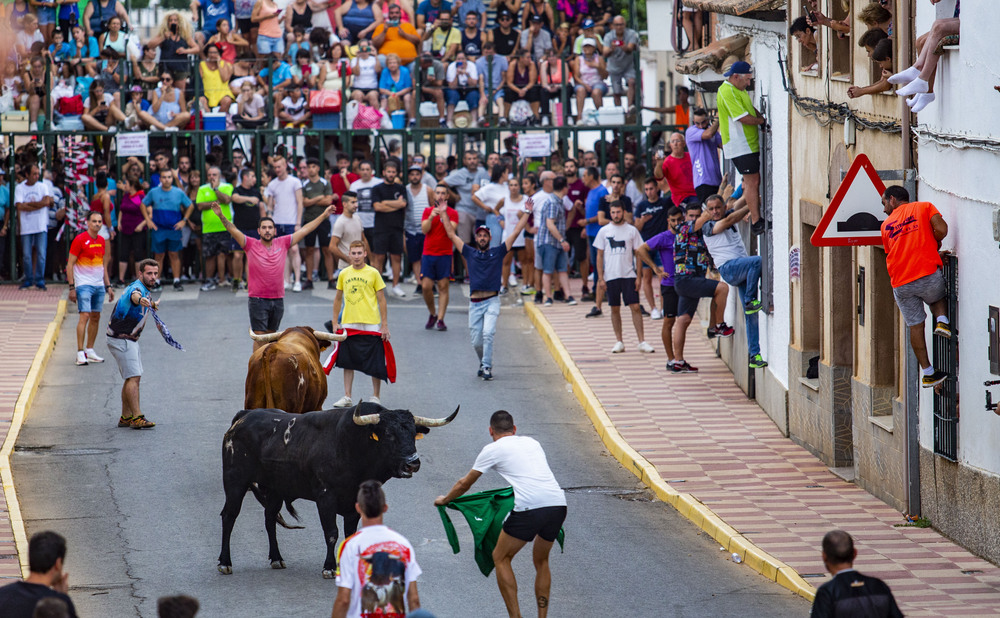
616,246
384,594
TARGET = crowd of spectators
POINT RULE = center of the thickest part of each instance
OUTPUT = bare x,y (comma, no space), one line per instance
94,71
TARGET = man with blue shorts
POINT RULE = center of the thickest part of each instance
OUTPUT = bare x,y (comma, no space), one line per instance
171,214
550,242
596,191
87,275
435,263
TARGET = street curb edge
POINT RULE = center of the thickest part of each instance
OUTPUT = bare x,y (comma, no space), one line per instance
24,401
686,504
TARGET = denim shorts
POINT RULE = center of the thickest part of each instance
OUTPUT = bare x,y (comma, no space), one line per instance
266,45
89,298
553,258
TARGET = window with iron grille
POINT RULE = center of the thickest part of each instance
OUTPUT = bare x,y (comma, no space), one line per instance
945,358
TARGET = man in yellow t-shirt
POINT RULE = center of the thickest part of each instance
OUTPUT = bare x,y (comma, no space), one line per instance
361,293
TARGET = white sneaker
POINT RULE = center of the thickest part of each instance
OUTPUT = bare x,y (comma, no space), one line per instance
398,291
645,347
656,314
297,287
288,285
512,281
92,356
374,399
81,358
343,402
619,348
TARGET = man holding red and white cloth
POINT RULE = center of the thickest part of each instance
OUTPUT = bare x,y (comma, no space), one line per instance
361,293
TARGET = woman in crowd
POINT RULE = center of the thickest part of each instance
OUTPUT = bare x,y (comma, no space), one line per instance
33,82
511,208
137,119
114,38
176,42
396,87
270,39
215,74
146,72
243,12
299,14
251,112
18,9
111,75
589,72
132,226
522,83
336,69
87,51
244,70
169,106
562,39
229,42
365,70
357,19
304,72
45,11
29,37
555,72
529,186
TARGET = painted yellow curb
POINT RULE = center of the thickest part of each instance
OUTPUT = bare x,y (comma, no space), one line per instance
21,408
687,505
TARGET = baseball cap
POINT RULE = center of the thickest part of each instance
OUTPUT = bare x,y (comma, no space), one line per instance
415,168
483,228
588,23
739,68
503,14
426,57
136,89
536,18
588,41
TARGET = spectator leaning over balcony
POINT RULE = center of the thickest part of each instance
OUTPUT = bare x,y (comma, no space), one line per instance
428,12
270,39
620,46
228,41
176,42
536,39
396,88
881,54
365,70
912,235
463,85
446,40
101,113
738,122
211,11
504,36
522,85
704,142
357,19
738,269
919,78
806,36
215,73
432,81
691,21
874,15
492,69
396,37
815,18
472,37
589,73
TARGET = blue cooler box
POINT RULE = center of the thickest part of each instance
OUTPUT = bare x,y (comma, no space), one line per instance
214,122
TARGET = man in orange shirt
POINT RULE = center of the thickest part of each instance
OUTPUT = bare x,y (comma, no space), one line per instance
912,235
87,276
396,37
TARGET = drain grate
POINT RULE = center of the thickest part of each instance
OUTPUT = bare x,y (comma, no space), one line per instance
63,452
622,493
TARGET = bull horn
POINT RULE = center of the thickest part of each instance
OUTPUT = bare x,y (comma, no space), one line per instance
329,336
435,422
364,419
268,338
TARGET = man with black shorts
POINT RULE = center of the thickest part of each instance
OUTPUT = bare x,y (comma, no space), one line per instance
539,506
266,268
690,268
389,200
616,244
651,219
248,207
738,124
215,247
316,196
663,244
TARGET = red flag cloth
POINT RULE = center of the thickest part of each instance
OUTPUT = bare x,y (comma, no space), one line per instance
389,365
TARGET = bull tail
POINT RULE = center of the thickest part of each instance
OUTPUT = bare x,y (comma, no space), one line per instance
255,488
266,362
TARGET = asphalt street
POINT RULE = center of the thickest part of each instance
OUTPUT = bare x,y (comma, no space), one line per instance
140,509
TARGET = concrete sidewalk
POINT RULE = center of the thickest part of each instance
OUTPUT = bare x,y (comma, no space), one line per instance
29,321
715,455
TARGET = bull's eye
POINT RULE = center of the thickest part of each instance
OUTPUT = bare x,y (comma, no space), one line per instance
374,436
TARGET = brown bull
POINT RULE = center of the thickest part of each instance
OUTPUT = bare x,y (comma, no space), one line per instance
286,372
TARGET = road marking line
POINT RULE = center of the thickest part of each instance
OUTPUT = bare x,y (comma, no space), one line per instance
686,504
21,408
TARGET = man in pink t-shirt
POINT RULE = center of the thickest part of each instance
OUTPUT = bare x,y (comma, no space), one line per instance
266,268
677,170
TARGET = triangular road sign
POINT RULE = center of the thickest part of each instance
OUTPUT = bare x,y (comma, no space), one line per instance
855,215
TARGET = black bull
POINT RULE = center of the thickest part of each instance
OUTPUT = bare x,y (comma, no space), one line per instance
321,456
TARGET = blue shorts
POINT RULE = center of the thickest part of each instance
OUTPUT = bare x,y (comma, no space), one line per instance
283,230
166,240
553,258
46,15
414,246
89,298
471,96
267,45
656,260
235,246
435,267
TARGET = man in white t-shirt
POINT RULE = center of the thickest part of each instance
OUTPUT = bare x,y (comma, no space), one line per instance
616,245
285,206
346,230
539,506
32,200
377,568
366,202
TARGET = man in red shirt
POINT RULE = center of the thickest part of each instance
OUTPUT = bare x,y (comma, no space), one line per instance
340,180
677,170
87,275
912,235
576,220
435,264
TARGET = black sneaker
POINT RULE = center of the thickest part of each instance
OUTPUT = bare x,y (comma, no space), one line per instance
587,297
685,367
570,301
752,307
594,313
928,381
558,295
643,311
723,330
479,374
307,284
487,374
673,367
331,285
538,297
759,227
177,286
